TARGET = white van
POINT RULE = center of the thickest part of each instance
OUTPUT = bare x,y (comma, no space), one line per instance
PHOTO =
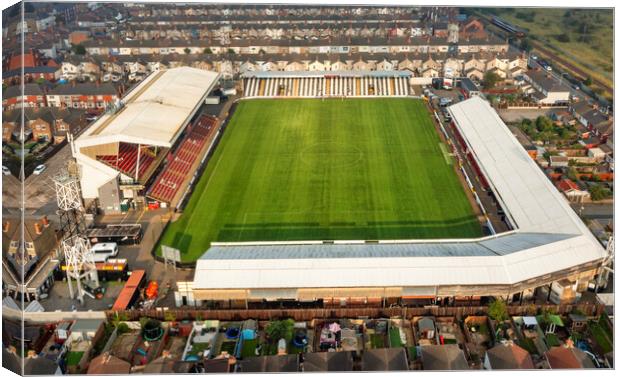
103,251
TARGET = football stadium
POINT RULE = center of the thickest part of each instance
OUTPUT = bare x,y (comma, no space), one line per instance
322,187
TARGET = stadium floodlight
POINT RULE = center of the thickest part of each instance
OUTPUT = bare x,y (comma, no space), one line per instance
80,263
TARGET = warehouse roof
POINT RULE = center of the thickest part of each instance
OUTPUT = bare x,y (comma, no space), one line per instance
155,111
548,235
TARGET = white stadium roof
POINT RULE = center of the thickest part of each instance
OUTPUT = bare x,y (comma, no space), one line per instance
155,111
549,236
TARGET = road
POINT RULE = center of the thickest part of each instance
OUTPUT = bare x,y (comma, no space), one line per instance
40,196
594,210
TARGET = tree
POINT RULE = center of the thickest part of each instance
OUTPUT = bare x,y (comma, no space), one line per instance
187,50
544,124
277,330
490,79
78,49
526,45
207,51
564,38
231,51
587,81
572,173
598,192
498,311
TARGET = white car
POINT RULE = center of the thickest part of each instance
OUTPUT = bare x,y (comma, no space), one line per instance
103,251
39,169
5,170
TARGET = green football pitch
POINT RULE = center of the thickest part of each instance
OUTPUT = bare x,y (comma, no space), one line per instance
355,169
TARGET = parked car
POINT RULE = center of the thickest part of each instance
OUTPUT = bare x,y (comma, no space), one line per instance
103,251
5,170
39,169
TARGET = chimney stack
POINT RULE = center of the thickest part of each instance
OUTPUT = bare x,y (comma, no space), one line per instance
46,222
37,228
5,226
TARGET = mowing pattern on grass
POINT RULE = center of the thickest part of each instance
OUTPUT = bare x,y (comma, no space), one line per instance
320,170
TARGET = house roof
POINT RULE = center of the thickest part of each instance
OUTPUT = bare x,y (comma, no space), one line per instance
568,358
546,81
328,361
30,70
509,356
273,364
88,89
81,325
168,365
384,359
29,60
108,364
594,117
43,243
443,357
216,365
566,185
39,366
11,361
30,89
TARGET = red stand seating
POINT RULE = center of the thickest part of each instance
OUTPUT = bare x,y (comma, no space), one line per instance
180,162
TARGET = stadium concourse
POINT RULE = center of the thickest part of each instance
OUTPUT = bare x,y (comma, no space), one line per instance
549,243
146,144
327,84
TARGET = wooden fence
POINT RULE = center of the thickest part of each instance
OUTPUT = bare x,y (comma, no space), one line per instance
370,312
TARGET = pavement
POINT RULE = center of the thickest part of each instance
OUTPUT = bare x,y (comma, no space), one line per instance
517,115
138,257
39,192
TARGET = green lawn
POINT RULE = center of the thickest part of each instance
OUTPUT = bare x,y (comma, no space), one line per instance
395,337
377,341
321,170
598,333
73,358
552,340
249,348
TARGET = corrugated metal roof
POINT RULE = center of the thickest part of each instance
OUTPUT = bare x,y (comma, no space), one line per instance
154,111
504,244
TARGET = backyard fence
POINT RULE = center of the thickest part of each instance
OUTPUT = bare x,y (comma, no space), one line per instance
370,312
